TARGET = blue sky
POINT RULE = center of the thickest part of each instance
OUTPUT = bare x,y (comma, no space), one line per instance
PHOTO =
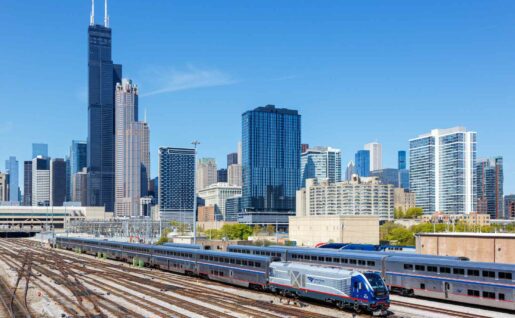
357,71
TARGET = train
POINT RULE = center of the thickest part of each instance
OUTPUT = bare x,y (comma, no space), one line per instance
440,277
356,290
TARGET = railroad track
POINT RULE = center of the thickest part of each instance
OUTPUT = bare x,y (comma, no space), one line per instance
155,287
437,310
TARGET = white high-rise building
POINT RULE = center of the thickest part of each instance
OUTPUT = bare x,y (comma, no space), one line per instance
359,196
206,173
132,156
350,170
442,170
376,155
216,195
234,175
40,181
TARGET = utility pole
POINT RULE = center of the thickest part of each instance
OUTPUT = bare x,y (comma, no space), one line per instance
195,143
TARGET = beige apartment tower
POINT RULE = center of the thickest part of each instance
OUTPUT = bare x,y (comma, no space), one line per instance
132,156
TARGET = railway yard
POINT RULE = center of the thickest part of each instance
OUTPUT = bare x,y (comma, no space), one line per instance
37,281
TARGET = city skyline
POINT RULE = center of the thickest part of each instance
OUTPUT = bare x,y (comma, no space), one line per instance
320,109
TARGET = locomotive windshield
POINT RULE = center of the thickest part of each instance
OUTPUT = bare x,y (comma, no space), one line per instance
377,284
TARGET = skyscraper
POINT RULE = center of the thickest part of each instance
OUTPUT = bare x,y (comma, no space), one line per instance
490,179
27,182
442,172
78,159
80,187
176,184
11,167
401,159
4,187
40,181
206,172
232,158
376,155
57,182
362,162
102,78
132,156
221,175
39,149
321,163
271,158
351,169
234,175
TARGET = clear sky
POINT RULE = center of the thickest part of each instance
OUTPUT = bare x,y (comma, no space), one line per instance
357,71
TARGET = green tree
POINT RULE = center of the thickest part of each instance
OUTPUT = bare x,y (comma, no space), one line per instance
398,213
181,228
164,236
413,213
236,231
257,230
213,234
401,236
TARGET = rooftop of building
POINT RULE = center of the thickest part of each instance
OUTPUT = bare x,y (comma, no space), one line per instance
470,234
272,109
218,185
320,149
442,132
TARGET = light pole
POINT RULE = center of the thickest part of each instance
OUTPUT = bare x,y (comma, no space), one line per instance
195,143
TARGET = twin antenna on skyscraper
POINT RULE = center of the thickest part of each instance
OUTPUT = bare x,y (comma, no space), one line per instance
92,16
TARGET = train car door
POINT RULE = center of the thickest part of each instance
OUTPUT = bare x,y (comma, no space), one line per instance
446,288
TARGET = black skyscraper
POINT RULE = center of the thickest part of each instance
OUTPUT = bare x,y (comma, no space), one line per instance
27,182
103,76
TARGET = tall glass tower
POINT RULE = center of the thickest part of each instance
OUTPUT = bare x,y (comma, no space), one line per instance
490,179
103,76
321,163
77,159
11,167
271,159
362,163
401,159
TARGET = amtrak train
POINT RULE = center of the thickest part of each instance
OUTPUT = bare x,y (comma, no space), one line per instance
358,290
442,277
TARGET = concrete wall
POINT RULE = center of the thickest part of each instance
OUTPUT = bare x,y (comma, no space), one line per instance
309,230
478,248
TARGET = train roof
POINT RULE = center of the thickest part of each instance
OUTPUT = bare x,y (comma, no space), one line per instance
184,245
234,255
314,268
460,258
258,248
453,263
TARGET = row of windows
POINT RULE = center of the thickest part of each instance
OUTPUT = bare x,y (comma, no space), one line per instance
336,260
217,273
173,253
231,261
459,271
486,294
264,253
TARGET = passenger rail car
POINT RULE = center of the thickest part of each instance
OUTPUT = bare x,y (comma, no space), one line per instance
241,269
412,274
184,245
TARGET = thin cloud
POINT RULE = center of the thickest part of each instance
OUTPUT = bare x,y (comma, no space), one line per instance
173,80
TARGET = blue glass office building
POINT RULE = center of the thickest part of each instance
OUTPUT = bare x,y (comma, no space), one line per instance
11,167
362,163
39,149
176,188
77,159
103,76
401,160
271,151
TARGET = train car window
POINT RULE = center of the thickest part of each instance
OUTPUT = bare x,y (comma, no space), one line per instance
420,267
472,272
329,259
422,286
244,263
211,258
233,261
488,295
501,296
321,258
361,262
489,274
371,263
352,261
472,292
432,269
238,262
313,258
458,271
258,264
251,264
345,261
408,266
504,275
